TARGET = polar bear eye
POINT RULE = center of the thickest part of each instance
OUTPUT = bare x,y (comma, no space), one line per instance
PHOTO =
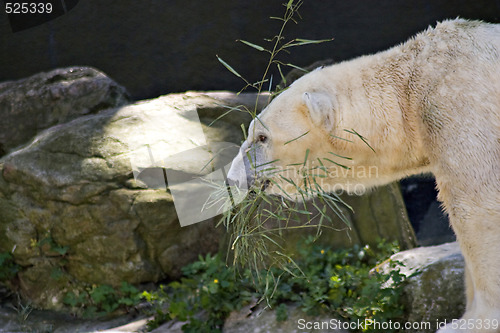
262,138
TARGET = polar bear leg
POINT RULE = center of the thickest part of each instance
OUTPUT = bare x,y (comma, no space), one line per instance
478,236
469,288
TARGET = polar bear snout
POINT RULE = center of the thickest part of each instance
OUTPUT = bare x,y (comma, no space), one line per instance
240,173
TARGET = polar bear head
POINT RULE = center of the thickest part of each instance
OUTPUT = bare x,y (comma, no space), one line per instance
322,132
295,143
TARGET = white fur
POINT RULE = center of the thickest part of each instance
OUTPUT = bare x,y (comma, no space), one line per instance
430,104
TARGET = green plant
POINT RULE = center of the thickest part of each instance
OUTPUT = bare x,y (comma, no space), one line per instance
23,309
252,242
100,300
341,281
207,284
8,267
344,282
47,244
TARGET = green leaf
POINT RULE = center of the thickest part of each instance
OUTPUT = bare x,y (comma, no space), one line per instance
62,250
276,18
283,78
352,131
307,155
297,67
338,137
340,165
244,131
300,42
347,158
289,141
228,67
255,46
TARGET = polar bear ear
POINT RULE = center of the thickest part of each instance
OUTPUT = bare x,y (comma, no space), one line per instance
321,108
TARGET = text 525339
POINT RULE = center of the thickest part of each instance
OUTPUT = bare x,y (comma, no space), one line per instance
28,7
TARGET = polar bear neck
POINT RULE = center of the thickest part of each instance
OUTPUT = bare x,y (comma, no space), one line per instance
397,110
395,89
378,88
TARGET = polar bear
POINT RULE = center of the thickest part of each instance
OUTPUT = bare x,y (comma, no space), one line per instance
431,104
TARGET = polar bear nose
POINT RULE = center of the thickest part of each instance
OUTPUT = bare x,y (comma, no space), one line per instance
243,183
237,174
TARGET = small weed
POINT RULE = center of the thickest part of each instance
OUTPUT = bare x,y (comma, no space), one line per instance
101,300
23,310
252,242
48,245
8,267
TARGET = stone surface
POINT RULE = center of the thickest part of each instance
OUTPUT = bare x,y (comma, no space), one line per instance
31,105
20,320
261,320
435,287
72,209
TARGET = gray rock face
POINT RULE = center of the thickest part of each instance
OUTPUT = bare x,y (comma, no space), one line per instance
33,104
264,321
435,287
71,208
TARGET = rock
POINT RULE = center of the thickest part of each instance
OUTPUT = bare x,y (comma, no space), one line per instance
261,320
71,208
435,286
26,319
31,105
172,326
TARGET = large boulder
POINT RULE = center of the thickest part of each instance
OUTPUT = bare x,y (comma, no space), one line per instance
31,105
72,213
434,291
264,320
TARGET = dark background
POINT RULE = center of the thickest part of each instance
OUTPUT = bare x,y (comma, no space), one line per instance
154,47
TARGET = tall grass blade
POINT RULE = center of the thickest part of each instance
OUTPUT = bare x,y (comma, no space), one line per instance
255,46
